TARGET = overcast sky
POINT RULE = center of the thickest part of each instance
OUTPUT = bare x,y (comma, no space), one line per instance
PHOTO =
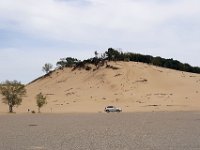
33,32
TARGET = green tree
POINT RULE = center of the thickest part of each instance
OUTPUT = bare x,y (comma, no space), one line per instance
112,54
158,61
116,55
40,100
47,67
67,62
12,92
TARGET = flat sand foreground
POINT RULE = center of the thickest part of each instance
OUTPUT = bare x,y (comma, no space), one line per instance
114,131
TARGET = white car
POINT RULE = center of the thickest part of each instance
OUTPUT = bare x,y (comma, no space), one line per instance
112,109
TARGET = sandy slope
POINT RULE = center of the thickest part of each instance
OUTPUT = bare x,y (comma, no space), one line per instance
134,87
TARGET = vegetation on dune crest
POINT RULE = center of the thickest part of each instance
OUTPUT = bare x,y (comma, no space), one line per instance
67,62
47,67
111,54
115,55
12,92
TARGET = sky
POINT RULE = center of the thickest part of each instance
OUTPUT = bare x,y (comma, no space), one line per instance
35,32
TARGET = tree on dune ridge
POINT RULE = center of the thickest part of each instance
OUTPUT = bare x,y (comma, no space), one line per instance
47,67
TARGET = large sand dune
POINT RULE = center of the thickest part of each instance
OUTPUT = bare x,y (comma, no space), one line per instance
133,87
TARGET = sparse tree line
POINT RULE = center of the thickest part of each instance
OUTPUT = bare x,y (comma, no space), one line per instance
115,55
14,91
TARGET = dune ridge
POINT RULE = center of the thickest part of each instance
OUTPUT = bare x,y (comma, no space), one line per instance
133,87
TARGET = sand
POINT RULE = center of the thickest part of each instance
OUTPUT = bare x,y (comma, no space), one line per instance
135,87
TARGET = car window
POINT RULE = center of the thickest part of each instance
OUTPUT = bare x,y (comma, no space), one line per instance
110,107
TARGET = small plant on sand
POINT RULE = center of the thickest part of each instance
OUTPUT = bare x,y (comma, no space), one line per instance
12,92
47,67
40,100
88,68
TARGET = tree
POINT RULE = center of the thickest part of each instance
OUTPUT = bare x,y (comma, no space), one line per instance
12,92
40,100
67,62
113,54
158,61
47,67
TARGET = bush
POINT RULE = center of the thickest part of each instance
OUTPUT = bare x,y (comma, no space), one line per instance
67,62
40,100
112,67
47,67
88,68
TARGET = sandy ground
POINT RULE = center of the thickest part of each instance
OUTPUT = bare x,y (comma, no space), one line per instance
135,87
101,131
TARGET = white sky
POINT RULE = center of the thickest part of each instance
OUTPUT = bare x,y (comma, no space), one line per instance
34,32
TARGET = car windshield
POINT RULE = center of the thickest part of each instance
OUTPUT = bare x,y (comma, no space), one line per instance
110,107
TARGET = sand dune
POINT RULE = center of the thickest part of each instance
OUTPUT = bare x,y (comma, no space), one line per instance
133,87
